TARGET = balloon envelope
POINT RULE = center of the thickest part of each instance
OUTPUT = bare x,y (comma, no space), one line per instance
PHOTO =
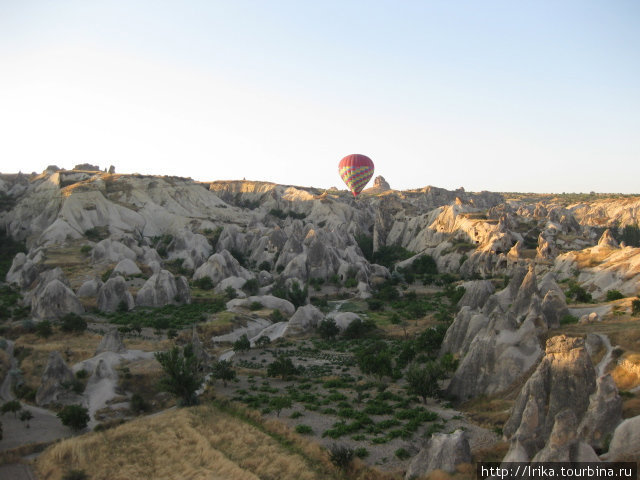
356,170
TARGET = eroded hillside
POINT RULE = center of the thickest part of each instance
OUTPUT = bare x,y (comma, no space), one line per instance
397,326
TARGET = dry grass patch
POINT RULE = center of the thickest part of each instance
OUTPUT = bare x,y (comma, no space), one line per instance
490,412
35,351
196,443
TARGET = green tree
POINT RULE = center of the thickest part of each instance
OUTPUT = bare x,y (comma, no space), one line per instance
72,322
242,344
328,329
182,371
282,367
635,306
297,295
251,286
25,416
12,406
223,370
263,341
44,329
425,381
278,403
375,359
614,295
75,417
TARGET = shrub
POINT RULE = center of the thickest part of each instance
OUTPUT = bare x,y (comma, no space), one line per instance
265,266
361,452
230,292
223,370
276,316
75,475
402,454
375,359
341,455
282,367
568,319
44,329
12,406
351,282
242,344
74,416
255,306
577,293
84,249
106,275
614,295
182,373
205,283
251,287
358,328
388,255
72,322
138,404
304,429
635,306
297,295
425,381
328,329
375,304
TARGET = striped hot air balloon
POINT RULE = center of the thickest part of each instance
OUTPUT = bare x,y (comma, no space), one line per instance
356,170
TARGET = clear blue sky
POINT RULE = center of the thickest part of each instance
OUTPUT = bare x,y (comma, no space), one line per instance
539,96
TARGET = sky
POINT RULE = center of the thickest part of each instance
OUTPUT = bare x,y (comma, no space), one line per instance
528,96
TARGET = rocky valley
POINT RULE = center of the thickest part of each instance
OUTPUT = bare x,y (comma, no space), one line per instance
305,333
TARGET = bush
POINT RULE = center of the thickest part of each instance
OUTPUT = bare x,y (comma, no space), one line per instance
230,292
242,344
425,381
614,295
328,329
138,404
375,304
265,266
251,287
358,328
341,455
223,370
361,452
72,322
568,319
388,255
276,316
74,416
205,283
635,306
182,373
12,406
75,475
578,293
375,359
253,306
85,249
44,329
282,367
402,454
351,282
304,429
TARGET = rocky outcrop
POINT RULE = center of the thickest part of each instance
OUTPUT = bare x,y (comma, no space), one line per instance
442,452
603,415
111,251
220,266
267,301
343,319
625,443
607,240
114,295
90,288
498,343
23,271
564,379
54,301
476,293
198,349
304,320
56,381
563,444
126,267
163,289
111,342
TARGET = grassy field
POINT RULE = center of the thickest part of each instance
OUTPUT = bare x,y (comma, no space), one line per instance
203,442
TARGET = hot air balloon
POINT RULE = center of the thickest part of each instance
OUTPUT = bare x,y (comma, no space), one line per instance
356,170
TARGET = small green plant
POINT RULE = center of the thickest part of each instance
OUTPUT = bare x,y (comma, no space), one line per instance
276,316
205,283
361,452
75,475
568,319
242,344
304,429
263,341
75,417
44,329
73,323
251,287
341,455
614,295
84,249
402,454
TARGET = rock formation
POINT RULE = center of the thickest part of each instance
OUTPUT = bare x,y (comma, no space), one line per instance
304,320
442,452
111,342
163,289
564,380
625,443
114,295
55,301
56,381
